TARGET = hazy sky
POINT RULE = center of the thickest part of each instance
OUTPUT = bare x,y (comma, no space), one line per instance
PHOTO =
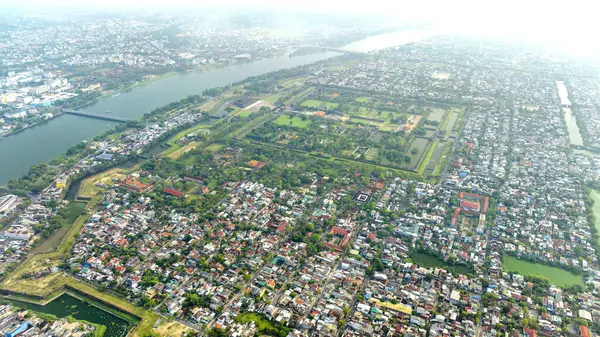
571,24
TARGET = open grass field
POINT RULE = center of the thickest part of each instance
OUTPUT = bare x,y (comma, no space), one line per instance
294,82
272,99
363,99
173,141
555,275
261,322
210,105
88,187
294,121
172,329
214,147
313,103
244,113
430,261
427,157
74,210
298,96
595,195
182,150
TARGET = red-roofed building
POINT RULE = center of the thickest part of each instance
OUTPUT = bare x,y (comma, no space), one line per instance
529,332
173,192
470,205
583,330
340,238
135,185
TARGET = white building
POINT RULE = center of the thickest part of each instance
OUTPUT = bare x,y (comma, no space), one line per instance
8,203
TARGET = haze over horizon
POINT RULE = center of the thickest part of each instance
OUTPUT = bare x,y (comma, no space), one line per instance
569,26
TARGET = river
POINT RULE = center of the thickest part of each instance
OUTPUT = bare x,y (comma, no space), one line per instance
49,140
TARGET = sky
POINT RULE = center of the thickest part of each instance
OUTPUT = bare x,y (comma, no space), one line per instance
567,24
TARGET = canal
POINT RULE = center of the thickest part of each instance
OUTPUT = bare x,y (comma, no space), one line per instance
575,137
51,139
67,305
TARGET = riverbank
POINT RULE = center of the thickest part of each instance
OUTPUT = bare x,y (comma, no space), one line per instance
30,126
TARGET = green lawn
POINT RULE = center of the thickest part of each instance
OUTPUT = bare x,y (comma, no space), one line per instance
313,103
272,99
74,210
555,275
427,157
431,261
260,321
214,147
244,113
292,121
182,134
363,99
595,194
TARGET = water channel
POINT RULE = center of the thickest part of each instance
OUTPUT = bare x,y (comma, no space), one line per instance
67,305
575,137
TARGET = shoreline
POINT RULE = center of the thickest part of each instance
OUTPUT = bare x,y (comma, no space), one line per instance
30,126
128,88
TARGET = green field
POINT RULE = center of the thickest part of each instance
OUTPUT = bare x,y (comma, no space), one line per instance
555,275
363,99
313,103
427,157
596,208
431,261
272,99
261,322
292,121
244,113
182,134
73,211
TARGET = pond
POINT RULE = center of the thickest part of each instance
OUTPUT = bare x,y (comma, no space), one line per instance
555,275
67,305
421,145
431,261
436,115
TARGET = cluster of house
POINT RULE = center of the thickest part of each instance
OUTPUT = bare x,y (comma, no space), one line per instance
393,75
18,236
346,256
14,322
24,94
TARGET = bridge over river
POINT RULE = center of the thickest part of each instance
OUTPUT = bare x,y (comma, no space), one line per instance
97,116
